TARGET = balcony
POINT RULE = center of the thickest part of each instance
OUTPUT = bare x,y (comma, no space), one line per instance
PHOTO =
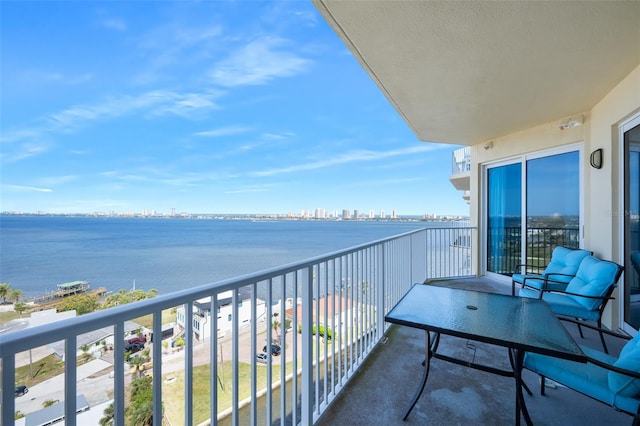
340,362
327,313
461,170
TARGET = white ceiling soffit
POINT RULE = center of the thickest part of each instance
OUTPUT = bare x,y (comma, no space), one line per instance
465,72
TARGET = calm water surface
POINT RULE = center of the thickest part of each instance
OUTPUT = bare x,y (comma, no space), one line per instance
37,253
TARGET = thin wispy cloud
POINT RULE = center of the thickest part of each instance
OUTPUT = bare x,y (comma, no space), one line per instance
259,62
155,103
223,131
22,188
349,157
250,189
24,151
114,24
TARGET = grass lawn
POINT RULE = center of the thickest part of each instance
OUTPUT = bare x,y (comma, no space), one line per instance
7,316
44,369
168,316
173,393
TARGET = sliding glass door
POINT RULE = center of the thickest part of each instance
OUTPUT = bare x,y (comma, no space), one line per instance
504,218
632,226
546,187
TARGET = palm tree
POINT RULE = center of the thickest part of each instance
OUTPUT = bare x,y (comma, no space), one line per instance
276,327
15,295
5,288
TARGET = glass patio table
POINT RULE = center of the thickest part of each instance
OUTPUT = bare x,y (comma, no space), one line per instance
519,324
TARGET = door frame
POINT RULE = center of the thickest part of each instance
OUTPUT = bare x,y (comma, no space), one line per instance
625,126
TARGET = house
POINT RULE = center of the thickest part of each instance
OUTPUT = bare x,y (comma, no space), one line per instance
545,99
202,313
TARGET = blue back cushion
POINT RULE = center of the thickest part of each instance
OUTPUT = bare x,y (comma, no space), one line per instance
594,277
565,261
629,359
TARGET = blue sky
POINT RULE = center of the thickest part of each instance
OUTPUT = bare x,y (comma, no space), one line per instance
205,107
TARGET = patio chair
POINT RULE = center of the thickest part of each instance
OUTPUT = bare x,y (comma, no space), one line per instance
564,264
586,295
605,378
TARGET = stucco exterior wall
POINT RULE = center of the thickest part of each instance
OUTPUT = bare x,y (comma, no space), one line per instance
602,187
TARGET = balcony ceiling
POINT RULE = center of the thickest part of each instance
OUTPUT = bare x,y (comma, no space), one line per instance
466,72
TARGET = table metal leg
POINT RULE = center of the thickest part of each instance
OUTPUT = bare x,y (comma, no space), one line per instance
427,363
521,406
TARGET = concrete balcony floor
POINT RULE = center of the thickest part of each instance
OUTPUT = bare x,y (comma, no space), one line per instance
457,395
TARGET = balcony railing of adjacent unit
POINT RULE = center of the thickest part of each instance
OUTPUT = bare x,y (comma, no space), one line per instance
335,319
461,161
540,243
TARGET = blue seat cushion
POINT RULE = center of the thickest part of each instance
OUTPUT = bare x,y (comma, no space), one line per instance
588,379
563,261
594,278
629,359
562,304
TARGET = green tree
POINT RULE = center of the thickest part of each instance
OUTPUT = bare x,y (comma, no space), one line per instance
276,327
108,414
81,303
5,288
20,308
122,297
140,411
136,364
15,295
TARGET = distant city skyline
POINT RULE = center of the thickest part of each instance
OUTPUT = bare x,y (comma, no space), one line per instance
302,214
239,107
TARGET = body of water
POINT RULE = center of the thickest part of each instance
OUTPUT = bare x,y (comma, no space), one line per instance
39,252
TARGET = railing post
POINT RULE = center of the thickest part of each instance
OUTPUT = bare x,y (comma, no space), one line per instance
8,372
157,368
118,373
70,366
188,363
307,347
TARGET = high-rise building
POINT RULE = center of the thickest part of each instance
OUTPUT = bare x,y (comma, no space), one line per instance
346,214
382,214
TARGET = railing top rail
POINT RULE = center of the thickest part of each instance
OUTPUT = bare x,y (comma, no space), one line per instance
21,340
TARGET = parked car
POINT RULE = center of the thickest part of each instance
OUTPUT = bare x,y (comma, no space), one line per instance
133,347
137,340
262,358
21,390
275,349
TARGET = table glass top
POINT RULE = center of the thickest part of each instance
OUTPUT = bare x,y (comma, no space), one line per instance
515,322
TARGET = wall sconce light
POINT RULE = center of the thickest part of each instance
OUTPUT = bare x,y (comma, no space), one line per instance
571,123
488,145
596,159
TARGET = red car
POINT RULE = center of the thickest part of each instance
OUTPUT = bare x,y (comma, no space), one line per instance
137,340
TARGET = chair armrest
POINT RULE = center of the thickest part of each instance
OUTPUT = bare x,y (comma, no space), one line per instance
596,328
553,274
613,368
578,295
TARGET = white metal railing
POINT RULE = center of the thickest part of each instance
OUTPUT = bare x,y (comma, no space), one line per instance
461,161
336,317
